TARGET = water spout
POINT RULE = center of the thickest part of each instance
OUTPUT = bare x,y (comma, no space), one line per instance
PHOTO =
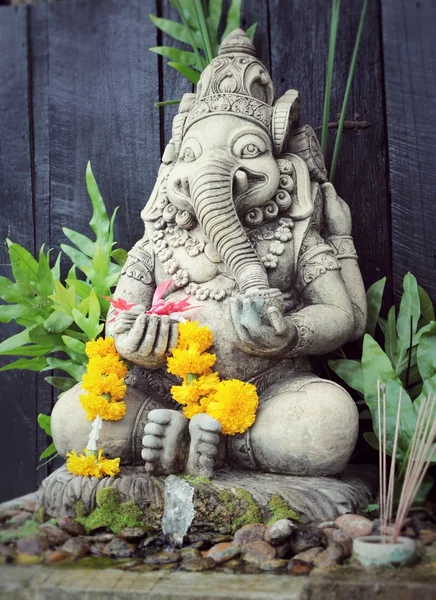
178,510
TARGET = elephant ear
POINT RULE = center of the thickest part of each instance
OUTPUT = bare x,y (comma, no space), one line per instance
286,111
304,143
303,192
188,101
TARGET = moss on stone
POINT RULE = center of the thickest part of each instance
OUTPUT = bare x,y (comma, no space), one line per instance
280,510
228,499
196,480
40,515
251,511
110,512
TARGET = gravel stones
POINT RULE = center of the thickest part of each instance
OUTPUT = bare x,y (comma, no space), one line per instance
309,556
20,517
163,558
57,557
54,535
119,548
133,534
258,552
305,537
223,552
354,525
279,532
204,564
332,555
71,526
249,533
34,544
77,546
298,567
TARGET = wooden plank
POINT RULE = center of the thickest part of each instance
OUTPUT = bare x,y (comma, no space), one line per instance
40,154
18,398
299,38
409,56
103,84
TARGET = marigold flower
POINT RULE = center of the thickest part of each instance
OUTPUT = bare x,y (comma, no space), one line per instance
190,361
191,333
107,365
185,393
234,405
192,409
89,465
101,347
109,385
96,406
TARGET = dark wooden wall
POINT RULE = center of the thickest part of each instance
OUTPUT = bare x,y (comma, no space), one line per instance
78,83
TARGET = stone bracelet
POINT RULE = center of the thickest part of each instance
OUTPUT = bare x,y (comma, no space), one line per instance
342,246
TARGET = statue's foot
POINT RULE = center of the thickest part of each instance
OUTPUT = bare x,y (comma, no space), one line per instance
165,442
205,439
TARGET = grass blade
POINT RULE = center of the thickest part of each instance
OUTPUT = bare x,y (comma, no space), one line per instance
347,92
192,40
204,31
190,74
166,103
330,61
233,18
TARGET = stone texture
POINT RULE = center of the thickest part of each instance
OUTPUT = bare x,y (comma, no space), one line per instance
298,567
20,517
354,525
223,552
54,535
305,537
56,557
133,534
77,546
279,532
258,552
71,526
332,555
32,544
249,533
309,556
119,548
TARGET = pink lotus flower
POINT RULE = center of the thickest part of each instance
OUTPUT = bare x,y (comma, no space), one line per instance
159,306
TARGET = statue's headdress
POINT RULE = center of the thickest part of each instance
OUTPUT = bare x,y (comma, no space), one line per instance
237,82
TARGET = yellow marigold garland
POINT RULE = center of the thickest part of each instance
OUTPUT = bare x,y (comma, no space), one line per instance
233,403
105,387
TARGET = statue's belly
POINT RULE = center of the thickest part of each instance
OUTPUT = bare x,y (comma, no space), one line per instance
231,361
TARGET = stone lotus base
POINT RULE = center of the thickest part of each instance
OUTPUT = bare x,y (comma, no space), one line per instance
232,499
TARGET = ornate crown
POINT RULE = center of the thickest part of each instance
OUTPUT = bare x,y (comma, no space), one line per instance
235,81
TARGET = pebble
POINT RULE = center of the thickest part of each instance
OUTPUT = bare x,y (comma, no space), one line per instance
97,549
53,534
71,526
57,557
101,538
249,533
133,534
163,558
298,567
274,564
284,550
354,525
344,540
305,537
77,546
219,539
332,555
190,553
309,556
7,553
427,536
27,559
223,552
203,564
326,524
258,552
20,518
34,543
7,513
279,532
119,548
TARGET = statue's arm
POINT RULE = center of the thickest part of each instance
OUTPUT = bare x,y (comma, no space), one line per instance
137,283
337,219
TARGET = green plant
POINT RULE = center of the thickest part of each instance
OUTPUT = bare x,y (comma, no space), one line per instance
199,30
327,96
59,317
406,365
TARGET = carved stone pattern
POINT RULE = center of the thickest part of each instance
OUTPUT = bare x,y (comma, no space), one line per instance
306,334
316,266
343,246
139,264
231,103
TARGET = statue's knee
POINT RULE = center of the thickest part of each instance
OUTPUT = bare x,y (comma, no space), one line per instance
70,426
311,431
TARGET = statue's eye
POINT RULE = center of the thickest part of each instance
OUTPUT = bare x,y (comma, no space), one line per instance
188,155
250,151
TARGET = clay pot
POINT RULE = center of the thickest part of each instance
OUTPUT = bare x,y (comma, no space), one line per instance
370,551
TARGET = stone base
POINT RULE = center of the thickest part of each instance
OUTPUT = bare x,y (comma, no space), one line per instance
232,499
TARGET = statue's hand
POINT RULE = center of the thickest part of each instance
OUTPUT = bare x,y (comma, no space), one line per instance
337,216
145,340
261,332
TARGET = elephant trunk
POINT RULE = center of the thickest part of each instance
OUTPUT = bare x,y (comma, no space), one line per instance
211,188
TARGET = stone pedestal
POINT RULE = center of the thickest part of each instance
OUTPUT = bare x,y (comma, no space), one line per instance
231,499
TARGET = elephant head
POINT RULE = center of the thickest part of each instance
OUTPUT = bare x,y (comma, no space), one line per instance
223,162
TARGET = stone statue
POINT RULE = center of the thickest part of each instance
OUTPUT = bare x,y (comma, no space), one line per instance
243,220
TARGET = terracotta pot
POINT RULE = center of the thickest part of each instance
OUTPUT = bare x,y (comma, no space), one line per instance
370,551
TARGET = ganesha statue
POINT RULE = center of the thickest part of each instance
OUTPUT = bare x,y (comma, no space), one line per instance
243,221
